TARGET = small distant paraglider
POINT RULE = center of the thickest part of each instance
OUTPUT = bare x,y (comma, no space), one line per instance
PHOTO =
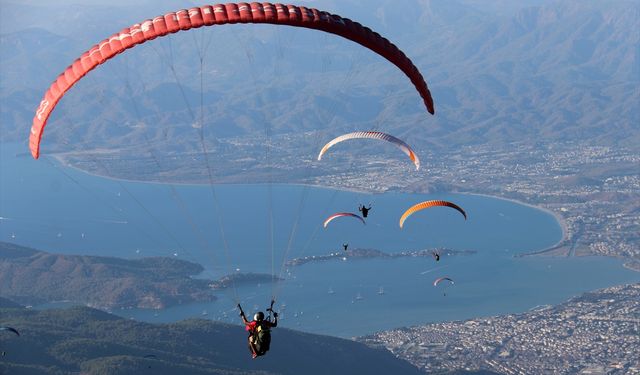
8,329
150,356
441,279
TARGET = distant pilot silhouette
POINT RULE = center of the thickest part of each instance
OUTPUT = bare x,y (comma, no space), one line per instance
364,210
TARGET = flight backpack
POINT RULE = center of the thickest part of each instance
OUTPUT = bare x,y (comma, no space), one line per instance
262,339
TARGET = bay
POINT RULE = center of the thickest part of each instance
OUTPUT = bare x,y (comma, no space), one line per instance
231,228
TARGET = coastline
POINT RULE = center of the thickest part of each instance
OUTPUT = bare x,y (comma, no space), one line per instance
631,265
559,219
557,216
62,162
562,248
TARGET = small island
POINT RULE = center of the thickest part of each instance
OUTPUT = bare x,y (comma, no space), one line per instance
374,253
238,279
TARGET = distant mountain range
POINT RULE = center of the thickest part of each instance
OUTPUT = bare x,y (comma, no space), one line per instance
539,71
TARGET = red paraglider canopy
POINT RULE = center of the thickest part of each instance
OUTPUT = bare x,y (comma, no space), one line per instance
220,14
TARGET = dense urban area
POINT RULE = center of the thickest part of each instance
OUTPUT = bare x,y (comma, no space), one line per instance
595,333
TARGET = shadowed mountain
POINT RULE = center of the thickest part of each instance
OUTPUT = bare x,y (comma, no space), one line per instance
90,341
34,277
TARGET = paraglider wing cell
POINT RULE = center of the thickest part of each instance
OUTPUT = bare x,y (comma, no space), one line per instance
220,14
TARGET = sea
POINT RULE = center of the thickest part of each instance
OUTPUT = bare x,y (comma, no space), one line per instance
259,227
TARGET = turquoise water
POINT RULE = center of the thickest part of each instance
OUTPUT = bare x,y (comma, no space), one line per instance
64,210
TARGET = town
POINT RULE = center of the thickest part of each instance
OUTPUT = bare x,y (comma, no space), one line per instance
595,333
